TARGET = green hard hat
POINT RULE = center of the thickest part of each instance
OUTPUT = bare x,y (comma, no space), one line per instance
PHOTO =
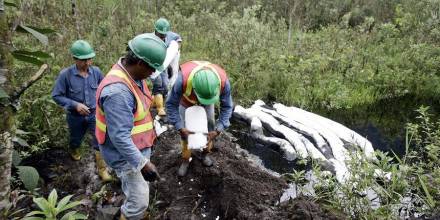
206,85
82,50
149,48
162,26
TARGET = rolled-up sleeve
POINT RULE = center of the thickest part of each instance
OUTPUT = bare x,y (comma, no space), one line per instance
226,107
59,92
118,103
172,103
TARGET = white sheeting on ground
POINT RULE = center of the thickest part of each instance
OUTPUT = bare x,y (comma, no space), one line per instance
306,134
257,133
342,132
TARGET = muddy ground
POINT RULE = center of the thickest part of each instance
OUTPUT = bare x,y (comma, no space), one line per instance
233,188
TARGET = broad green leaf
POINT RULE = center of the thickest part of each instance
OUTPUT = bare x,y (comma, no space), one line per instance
37,54
20,141
79,216
35,213
42,204
53,197
3,93
16,159
29,176
41,37
63,202
73,215
69,216
28,59
69,206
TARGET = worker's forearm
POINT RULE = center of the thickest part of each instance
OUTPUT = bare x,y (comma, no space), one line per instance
172,103
65,102
173,115
226,107
125,146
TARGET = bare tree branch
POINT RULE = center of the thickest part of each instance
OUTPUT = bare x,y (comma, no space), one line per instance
20,90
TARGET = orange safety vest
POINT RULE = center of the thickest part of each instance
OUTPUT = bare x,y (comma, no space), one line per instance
142,134
189,69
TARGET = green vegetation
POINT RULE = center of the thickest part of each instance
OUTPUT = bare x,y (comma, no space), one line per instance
317,54
50,208
341,54
401,186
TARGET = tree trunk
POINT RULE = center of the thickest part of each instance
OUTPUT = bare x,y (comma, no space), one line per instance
7,122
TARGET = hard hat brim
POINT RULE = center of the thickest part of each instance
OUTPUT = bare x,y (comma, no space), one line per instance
87,56
210,101
161,32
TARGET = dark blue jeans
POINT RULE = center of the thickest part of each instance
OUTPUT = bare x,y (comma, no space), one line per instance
160,84
78,126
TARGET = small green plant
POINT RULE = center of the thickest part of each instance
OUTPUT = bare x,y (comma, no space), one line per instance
297,177
50,209
153,208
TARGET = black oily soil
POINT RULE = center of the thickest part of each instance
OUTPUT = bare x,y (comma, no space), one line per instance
231,189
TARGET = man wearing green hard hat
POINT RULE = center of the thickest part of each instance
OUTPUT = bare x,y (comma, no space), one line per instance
162,29
75,91
199,83
124,126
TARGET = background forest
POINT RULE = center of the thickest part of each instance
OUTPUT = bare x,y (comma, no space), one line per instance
320,55
313,54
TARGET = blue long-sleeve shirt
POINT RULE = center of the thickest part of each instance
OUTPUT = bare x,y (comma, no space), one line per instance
172,36
173,102
118,150
71,88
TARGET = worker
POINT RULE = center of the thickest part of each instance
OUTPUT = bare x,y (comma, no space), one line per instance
199,83
124,125
160,83
75,90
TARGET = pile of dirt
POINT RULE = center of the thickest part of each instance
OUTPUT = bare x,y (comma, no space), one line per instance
233,188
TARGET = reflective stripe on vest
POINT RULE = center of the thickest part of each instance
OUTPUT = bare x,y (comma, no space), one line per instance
142,132
189,87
